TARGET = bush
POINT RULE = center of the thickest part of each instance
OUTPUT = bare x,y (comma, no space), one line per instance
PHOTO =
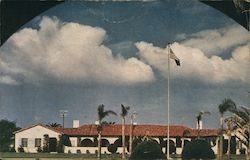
242,151
20,149
148,149
198,149
112,148
39,150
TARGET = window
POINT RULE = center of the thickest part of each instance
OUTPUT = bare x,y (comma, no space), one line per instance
38,142
24,142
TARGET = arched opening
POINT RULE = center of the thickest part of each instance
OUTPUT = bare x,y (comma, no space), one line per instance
186,142
172,148
118,142
105,143
87,143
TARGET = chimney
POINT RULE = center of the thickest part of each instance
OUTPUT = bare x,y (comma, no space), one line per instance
76,123
197,125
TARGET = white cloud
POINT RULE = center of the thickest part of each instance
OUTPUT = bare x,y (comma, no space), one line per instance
69,53
215,41
196,65
8,80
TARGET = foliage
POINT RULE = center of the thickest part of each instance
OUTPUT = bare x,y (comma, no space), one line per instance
124,110
53,125
102,113
39,150
240,123
60,145
46,143
112,148
65,140
6,135
20,149
198,149
227,105
147,150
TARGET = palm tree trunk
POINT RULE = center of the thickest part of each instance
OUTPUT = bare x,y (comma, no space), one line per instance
248,148
229,145
99,145
221,139
123,137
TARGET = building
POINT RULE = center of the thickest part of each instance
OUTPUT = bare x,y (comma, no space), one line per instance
83,139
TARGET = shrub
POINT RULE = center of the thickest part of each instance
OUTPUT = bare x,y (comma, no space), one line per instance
147,150
112,148
20,149
39,150
198,149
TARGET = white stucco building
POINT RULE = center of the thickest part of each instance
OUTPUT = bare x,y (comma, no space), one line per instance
83,139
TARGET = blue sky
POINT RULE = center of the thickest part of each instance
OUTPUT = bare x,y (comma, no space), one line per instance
78,55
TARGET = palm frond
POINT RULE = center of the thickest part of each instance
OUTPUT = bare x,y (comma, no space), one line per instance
109,112
124,110
227,105
245,109
100,111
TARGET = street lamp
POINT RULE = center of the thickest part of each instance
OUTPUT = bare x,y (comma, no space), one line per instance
133,115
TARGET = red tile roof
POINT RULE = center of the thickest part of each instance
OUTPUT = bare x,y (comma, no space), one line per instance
139,130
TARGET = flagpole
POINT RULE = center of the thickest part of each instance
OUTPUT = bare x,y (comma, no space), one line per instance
168,155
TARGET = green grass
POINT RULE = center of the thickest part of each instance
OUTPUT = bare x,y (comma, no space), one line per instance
51,156
66,156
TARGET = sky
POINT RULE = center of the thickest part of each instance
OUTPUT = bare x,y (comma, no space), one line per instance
81,54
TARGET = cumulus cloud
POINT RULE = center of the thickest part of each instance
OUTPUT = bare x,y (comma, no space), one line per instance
5,79
196,65
69,53
215,41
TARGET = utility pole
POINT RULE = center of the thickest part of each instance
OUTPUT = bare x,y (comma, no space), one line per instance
63,114
168,154
131,132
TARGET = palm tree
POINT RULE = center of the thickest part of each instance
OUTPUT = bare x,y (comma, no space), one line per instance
101,115
242,123
226,105
230,128
54,125
124,112
199,118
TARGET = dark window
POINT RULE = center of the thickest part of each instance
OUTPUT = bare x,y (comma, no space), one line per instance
38,142
24,142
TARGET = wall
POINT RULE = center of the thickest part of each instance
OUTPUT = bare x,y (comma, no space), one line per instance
31,134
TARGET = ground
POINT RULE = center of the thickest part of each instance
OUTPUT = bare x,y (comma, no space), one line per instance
47,156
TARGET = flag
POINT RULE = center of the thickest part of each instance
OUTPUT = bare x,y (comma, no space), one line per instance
173,56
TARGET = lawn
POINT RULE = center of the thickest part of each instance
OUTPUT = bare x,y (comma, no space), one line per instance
63,156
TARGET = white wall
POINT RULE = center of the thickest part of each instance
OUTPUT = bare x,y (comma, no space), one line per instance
32,133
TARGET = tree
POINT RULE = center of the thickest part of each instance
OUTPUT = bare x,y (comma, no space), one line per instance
230,128
101,115
124,113
46,143
6,134
226,105
241,122
54,125
198,149
147,150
